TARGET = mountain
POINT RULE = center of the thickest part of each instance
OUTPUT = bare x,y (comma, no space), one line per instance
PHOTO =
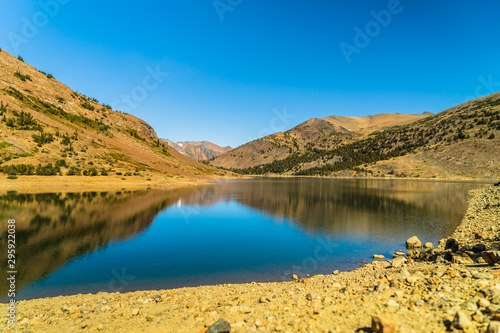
316,133
459,142
198,150
47,128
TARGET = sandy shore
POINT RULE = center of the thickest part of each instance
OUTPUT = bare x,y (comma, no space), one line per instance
452,289
36,184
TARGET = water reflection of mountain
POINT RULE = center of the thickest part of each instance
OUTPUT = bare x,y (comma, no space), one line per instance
54,228
362,208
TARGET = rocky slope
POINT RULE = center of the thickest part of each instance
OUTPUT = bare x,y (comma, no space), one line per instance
458,142
447,288
316,133
198,150
44,122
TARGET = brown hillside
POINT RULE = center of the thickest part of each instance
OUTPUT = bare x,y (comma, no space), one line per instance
461,142
45,122
368,124
316,133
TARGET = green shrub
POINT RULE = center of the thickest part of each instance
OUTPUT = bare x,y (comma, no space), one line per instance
19,169
10,122
88,106
20,58
50,76
47,170
25,119
61,163
43,138
492,136
22,77
11,177
73,171
3,108
104,172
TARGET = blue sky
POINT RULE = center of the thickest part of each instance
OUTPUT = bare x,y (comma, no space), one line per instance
240,69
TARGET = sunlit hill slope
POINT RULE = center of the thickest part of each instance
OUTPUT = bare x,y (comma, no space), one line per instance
46,128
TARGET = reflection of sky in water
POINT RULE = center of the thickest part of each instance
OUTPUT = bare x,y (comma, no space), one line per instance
261,231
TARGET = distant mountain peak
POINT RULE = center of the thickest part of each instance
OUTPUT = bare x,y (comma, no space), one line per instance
198,150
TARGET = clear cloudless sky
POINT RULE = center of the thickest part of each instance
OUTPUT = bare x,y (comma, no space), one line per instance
240,69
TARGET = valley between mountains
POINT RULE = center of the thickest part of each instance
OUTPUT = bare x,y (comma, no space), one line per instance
49,129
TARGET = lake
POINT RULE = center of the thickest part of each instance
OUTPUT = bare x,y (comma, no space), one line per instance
228,232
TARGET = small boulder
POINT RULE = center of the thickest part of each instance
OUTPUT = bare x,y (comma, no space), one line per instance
398,262
221,326
478,248
493,327
491,257
413,243
461,321
378,257
428,246
480,235
382,325
452,244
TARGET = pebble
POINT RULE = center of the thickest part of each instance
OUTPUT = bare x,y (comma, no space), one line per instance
398,262
221,326
491,257
493,327
461,320
483,276
382,325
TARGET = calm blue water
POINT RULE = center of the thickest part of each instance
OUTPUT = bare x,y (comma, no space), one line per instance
225,233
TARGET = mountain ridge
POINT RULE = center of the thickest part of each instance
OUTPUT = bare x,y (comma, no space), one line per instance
49,129
463,140
198,150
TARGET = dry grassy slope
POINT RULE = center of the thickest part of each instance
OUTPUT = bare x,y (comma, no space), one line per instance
368,124
476,156
320,133
459,142
105,138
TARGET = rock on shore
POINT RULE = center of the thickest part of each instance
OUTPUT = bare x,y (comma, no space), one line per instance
439,290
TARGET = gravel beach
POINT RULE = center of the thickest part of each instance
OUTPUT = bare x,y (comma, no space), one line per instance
450,286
